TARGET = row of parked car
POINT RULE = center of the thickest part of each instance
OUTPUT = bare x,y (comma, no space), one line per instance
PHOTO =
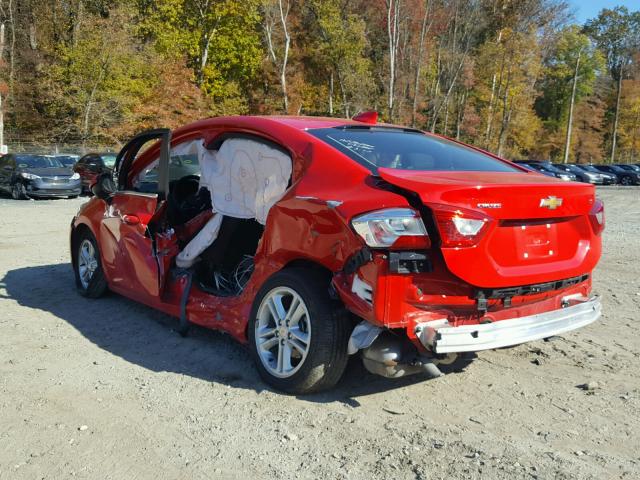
26,175
622,173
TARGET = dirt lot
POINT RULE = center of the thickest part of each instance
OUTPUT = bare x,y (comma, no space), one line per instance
106,389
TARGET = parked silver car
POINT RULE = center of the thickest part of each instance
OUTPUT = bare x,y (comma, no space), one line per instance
27,175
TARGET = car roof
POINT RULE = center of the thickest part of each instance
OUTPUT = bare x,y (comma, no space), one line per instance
296,122
304,122
283,129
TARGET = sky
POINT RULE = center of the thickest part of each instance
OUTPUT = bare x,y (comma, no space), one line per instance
586,9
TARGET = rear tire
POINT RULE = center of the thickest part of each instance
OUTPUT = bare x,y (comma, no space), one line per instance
297,334
90,279
626,181
19,192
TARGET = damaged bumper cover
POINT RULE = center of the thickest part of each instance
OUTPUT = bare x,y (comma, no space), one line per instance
441,337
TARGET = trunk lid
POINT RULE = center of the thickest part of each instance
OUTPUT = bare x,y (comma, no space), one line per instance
538,227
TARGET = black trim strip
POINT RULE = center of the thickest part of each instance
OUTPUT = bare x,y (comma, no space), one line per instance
508,292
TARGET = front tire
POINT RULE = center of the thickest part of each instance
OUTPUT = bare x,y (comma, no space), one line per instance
626,181
19,192
90,279
297,334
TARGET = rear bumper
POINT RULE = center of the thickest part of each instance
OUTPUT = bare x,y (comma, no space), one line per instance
441,337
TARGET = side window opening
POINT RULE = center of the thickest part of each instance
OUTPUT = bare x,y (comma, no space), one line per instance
245,177
184,161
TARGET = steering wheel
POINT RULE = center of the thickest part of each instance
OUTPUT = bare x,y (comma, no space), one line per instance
183,188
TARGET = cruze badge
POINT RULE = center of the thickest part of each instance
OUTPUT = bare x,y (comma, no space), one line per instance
489,205
550,202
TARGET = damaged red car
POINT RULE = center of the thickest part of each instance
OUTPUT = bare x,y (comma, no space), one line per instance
312,239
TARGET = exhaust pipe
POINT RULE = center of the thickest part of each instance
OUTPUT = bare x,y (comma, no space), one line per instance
392,356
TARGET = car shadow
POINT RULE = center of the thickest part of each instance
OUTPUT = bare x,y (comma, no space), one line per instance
146,337
7,196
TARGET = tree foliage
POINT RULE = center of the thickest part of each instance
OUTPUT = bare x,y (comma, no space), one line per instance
517,78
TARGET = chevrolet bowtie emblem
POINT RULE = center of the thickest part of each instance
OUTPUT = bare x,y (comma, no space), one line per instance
550,202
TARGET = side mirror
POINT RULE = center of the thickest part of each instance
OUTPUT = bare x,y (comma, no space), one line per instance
104,187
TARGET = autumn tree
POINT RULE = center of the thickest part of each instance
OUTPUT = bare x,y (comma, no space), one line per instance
569,74
341,47
517,78
617,33
630,118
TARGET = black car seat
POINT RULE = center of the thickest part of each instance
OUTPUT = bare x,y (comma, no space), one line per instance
237,237
186,200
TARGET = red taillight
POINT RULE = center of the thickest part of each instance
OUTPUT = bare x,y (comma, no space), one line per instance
596,215
414,242
400,228
459,227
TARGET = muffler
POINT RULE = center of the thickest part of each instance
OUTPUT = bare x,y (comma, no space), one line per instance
392,356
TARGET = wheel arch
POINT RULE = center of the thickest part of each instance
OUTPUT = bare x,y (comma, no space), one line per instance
299,263
311,265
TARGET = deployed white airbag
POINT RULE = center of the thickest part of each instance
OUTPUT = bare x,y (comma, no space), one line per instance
245,178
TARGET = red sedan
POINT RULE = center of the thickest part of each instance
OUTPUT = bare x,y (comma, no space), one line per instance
312,239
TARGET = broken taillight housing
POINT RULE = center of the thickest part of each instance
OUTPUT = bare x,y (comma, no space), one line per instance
596,215
392,228
459,227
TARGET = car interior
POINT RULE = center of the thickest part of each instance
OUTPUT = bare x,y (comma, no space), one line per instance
217,205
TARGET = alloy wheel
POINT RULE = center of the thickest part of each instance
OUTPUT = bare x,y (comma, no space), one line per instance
87,262
282,332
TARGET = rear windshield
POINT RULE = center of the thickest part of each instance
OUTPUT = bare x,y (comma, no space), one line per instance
37,161
407,150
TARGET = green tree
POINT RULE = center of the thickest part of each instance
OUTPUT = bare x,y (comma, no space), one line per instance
617,33
342,47
510,69
219,38
97,81
570,73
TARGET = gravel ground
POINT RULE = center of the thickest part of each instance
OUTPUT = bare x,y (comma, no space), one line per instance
105,389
